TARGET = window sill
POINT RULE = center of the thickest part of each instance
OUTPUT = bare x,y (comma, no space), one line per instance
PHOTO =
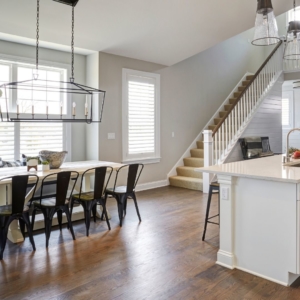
144,161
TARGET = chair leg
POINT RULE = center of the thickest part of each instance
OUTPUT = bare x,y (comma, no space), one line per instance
125,206
22,227
67,212
28,226
87,218
3,234
207,212
120,208
48,215
94,210
104,211
33,218
136,206
104,200
59,219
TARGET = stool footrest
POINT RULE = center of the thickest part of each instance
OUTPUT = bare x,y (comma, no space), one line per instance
213,223
213,217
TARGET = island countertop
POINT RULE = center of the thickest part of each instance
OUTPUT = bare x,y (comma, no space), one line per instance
268,168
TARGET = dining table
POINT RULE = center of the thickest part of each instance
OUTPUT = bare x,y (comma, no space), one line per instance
14,233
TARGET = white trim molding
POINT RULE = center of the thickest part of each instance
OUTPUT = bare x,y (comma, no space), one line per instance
151,185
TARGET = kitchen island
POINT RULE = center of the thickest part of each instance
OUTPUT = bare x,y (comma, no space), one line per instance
260,217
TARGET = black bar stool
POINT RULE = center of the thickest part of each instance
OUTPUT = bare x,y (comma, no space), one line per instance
214,188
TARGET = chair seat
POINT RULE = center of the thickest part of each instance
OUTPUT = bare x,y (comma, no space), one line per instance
6,210
48,202
118,190
88,196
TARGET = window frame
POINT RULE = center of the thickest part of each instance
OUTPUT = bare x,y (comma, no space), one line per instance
290,15
146,158
43,64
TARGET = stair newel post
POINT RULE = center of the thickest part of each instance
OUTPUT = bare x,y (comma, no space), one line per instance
208,158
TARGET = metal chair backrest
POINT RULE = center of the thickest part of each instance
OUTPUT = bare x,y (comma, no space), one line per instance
19,186
99,182
62,181
133,175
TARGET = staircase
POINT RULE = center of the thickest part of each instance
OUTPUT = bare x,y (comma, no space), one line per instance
228,123
186,176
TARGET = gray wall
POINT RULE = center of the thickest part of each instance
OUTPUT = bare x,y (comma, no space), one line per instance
20,50
191,91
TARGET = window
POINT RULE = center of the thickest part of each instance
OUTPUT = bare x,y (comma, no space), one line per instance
287,109
141,100
28,137
291,16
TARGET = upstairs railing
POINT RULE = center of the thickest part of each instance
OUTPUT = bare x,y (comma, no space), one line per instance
235,118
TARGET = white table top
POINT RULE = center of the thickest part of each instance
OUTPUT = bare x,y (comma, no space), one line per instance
79,166
267,168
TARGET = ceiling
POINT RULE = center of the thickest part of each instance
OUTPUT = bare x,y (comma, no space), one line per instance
160,31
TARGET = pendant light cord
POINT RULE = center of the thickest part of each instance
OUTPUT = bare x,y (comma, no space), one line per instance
37,35
72,44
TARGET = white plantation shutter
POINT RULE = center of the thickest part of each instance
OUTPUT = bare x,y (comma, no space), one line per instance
7,141
35,137
140,115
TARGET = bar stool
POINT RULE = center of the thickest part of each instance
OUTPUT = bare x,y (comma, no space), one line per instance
214,188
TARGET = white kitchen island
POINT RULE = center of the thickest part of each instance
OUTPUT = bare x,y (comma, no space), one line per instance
260,217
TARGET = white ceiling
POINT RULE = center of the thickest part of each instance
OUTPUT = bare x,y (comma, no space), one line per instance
160,31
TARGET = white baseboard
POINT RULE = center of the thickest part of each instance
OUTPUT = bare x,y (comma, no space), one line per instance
151,185
225,259
263,276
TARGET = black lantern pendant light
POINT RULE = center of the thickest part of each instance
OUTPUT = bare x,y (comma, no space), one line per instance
292,47
266,30
81,103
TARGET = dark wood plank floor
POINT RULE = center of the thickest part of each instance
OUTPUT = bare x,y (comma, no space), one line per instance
163,257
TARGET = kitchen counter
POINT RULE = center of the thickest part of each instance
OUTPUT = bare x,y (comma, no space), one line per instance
267,168
260,217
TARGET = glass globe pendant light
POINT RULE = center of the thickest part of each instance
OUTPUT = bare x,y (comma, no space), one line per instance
266,30
292,48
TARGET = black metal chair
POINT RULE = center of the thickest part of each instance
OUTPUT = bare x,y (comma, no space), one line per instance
214,188
122,193
56,203
89,200
17,210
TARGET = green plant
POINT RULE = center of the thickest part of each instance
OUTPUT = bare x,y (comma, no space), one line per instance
292,150
45,162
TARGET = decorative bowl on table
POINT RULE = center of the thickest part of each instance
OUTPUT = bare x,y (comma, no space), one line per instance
55,159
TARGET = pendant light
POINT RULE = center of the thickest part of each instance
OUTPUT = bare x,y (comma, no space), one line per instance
75,102
266,30
292,47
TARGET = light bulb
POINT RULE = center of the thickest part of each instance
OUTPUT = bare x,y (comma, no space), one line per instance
265,19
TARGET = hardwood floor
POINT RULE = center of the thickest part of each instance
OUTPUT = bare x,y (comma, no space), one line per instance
163,257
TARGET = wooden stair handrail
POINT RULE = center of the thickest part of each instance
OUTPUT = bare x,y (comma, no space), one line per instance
244,91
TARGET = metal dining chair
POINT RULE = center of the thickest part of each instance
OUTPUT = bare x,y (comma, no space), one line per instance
122,193
56,203
89,200
17,210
